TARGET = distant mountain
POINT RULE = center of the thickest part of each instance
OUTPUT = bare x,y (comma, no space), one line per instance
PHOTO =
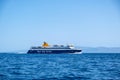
101,49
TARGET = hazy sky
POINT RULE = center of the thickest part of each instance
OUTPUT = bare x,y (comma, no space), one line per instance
92,23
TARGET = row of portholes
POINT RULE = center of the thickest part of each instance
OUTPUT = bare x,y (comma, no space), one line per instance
44,51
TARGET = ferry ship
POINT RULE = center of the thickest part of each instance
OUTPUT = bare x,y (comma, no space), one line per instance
53,49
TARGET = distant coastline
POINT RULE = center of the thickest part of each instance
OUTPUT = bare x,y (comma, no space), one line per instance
84,50
101,49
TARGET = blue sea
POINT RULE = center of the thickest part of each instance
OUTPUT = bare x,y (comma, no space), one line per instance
86,66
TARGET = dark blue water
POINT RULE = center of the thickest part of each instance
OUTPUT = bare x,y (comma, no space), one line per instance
59,66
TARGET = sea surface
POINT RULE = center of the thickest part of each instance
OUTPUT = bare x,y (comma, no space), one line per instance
86,66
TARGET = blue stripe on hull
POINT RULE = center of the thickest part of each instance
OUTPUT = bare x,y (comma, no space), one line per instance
52,51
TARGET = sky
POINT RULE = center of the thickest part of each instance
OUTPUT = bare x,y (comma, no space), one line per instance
90,23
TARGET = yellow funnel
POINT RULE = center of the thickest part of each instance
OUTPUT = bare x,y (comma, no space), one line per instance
45,44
